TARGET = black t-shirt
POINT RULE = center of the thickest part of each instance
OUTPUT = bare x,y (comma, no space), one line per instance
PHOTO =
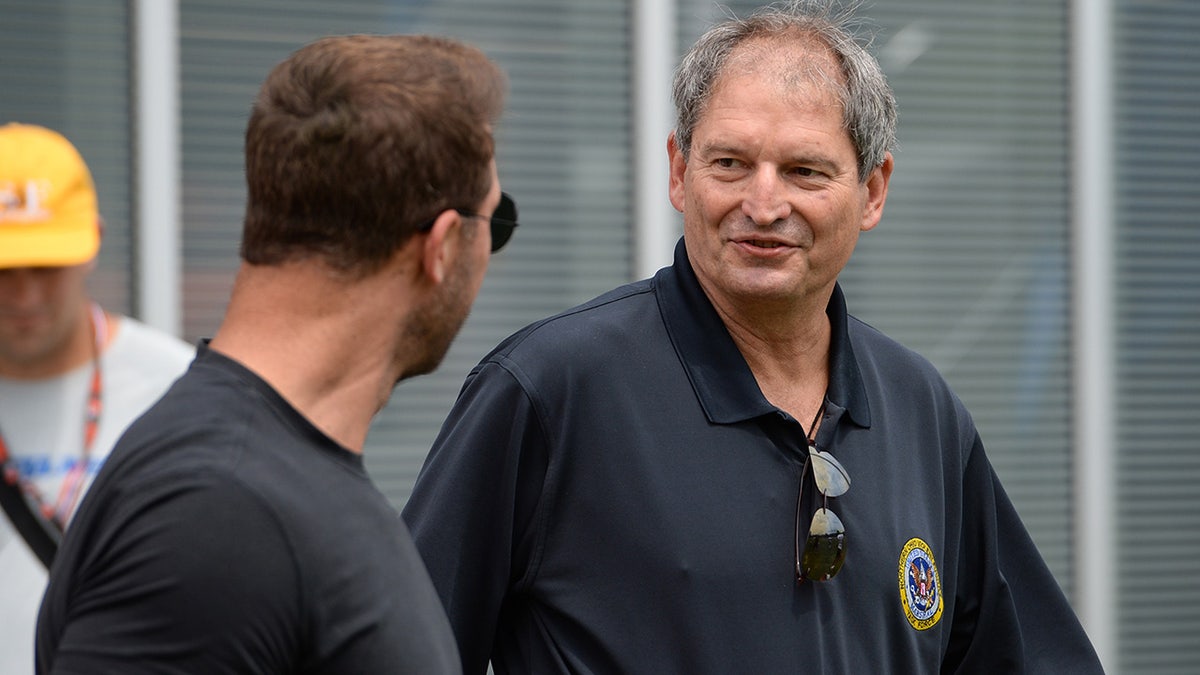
227,534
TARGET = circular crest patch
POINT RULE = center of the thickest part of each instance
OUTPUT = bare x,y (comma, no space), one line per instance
920,585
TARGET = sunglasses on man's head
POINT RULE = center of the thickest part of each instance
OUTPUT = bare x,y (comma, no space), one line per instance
503,221
824,548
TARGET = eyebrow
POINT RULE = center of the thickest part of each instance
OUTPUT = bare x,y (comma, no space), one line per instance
795,160
719,149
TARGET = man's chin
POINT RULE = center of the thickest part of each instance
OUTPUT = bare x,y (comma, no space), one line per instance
427,364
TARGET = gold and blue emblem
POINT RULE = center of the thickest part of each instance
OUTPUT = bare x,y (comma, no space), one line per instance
920,585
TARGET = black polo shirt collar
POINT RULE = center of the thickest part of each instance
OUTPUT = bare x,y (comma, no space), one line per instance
722,380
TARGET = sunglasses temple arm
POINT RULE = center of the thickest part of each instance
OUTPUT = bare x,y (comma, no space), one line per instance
799,502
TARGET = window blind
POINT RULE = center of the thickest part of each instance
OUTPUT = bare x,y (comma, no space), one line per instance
1158,341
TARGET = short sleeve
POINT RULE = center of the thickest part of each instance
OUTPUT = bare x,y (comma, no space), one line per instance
168,583
1010,613
493,448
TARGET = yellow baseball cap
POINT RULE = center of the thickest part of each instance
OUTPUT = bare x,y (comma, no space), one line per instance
48,214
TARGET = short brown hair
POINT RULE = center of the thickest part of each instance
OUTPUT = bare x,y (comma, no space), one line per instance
355,140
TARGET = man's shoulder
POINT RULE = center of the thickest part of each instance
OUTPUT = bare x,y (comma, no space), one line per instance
890,368
875,348
610,310
219,416
202,408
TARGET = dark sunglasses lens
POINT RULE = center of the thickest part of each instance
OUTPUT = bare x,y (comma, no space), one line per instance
501,233
506,209
825,549
504,221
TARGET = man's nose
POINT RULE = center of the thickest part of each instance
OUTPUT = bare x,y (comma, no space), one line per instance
766,200
20,287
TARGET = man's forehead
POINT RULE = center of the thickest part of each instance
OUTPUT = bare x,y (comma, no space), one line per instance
795,76
797,64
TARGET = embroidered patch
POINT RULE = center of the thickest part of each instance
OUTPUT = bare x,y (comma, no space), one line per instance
920,585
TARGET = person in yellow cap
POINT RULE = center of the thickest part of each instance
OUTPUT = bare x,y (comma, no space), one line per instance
72,376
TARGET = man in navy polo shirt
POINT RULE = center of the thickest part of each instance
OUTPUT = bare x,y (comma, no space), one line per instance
718,470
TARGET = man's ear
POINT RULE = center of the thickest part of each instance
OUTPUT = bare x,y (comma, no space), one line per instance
440,246
678,166
876,192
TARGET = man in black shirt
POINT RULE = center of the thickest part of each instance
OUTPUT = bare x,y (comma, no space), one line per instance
234,529
718,470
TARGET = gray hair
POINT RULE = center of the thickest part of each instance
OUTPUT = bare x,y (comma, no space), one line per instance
868,105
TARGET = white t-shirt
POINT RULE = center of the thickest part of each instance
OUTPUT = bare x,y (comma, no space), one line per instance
42,423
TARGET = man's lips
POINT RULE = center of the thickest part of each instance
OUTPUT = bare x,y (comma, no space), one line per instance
763,246
760,243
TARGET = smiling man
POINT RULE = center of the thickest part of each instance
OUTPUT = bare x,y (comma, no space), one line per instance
719,470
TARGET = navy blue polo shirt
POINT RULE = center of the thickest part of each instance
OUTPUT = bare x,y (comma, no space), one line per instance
612,493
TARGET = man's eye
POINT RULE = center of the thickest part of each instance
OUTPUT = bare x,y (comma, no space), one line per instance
727,162
804,171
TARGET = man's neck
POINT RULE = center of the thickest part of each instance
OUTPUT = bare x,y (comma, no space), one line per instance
792,374
326,347
787,350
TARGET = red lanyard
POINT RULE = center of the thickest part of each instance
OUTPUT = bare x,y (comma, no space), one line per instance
68,496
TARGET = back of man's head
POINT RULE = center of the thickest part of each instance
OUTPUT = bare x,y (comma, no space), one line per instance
48,214
355,140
